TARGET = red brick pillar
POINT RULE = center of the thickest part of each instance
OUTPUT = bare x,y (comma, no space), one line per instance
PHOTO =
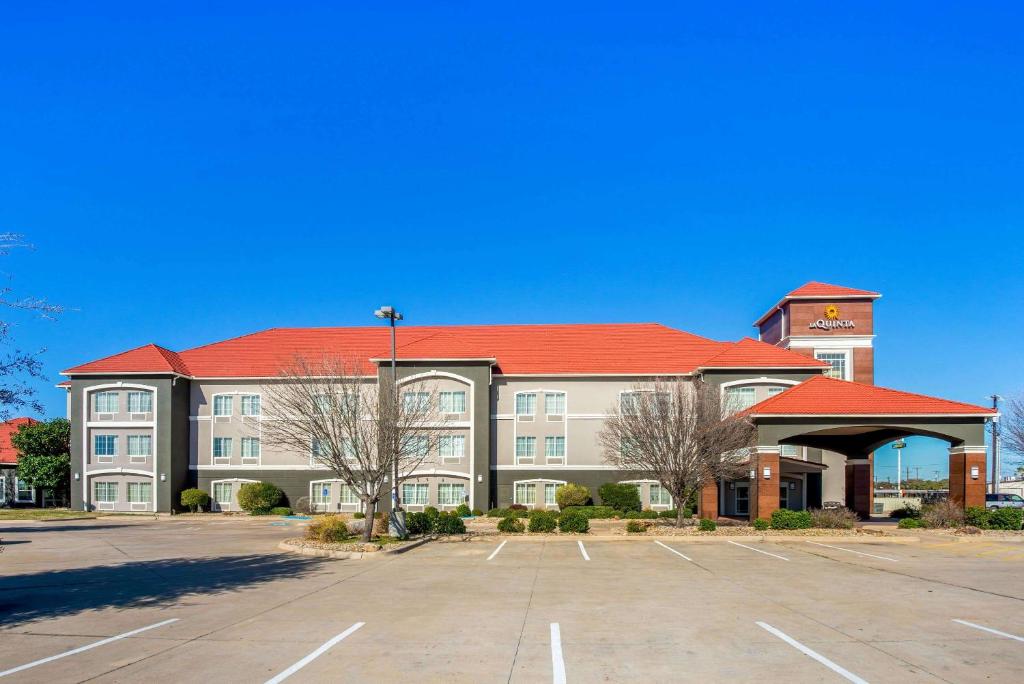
967,475
860,486
766,483
709,500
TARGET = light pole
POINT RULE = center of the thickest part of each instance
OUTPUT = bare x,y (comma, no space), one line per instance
389,313
995,445
899,445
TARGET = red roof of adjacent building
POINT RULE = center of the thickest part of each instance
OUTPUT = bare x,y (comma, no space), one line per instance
816,289
602,349
824,396
8,454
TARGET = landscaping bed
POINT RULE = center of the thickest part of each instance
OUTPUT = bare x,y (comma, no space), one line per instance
356,546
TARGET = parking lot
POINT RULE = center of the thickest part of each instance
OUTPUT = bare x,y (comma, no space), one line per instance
117,599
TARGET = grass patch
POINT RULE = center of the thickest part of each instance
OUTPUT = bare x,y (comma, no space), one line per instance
42,514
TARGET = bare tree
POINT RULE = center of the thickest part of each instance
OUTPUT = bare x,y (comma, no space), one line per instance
351,424
1012,428
676,432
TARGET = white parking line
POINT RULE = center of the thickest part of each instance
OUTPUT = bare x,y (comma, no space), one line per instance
859,553
314,655
808,652
495,552
665,546
557,662
989,629
80,649
583,551
759,551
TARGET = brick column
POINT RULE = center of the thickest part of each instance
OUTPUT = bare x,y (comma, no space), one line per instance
860,485
967,475
766,483
709,500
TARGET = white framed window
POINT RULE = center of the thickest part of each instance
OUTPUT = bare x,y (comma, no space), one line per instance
140,447
323,403
451,494
250,405
140,492
3,489
321,494
526,493
526,449
839,362
549,493
554,449
451,447
415,402
417,446
629,403
140,402
223,404
415,493
554,403
23,491
222,493
105,492
348,495
739,398
317,449
348,449
222,447
526,404
772,391
104,448
250,448
659,496
105,402
789,450
452,402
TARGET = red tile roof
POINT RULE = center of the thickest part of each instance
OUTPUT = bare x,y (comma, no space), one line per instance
816,289
605,349
8,454
824,396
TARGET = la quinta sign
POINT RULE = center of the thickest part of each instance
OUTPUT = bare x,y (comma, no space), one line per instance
831,321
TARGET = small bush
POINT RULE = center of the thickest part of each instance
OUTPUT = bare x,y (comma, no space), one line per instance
906,511
621,497
358,515
433,515
462,510
1006,519
942,514
594,512
572,494
708,525
258,497
976,516
511,525
833,518
672,513
497,513
542,521
281,510
910,523
418,523
449,523
328,528
194,499
785,519
573,521
517,507
762,524
477,513
636,527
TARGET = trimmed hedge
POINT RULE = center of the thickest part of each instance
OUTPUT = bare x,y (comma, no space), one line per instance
511,525
258,498
194,499
462,510
762,524
1006,519
621,497
641,515
707,525
449,523
541,521
595,512
418,523
281,510
573,521
785,519
572,494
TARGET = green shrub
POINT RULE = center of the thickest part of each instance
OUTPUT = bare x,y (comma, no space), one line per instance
477,513
573,521
280,510
621,497
463,510
641,515
670,513
328,528
543,521
636,527
833,518
433,515
976,516
511,525
497,513
358,515
785,519
906,511
258,497
194,499
572,494
762,524
909,523
595,512
942,514
707,525
418,523
1006,518
449,523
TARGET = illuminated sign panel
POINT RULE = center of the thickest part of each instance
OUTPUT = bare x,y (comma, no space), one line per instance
832,321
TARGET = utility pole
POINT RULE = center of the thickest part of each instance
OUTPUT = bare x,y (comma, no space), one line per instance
995,445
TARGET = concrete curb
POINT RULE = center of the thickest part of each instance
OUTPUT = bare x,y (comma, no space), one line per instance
833,539
349,555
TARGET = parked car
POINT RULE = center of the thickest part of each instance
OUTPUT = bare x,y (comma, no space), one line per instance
993,501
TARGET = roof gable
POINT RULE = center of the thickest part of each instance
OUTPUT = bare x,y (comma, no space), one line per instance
816,289
8,454
749,353
149,358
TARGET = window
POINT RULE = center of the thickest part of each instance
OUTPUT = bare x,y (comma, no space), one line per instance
222,447
526,493
739,398
659,496
526,448
451,447
250,447
105,445
417,446
140,492
554,404
453,402
554,449
790,450
322,403
3,489
348,449
222,493
450,494
321,493
348,495
23,491
139,447
630,403
526,404
415,401
549,493
250,404
140,402
772,391
105,492
414,494
222,404
106,402
835,359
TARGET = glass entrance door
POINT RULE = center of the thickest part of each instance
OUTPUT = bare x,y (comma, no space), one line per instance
742,498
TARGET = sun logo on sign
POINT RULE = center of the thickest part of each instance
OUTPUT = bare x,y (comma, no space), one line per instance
832,312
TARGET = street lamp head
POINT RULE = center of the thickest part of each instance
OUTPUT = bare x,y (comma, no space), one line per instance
388,312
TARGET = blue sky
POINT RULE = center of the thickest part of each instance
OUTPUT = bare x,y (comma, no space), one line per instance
189,175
